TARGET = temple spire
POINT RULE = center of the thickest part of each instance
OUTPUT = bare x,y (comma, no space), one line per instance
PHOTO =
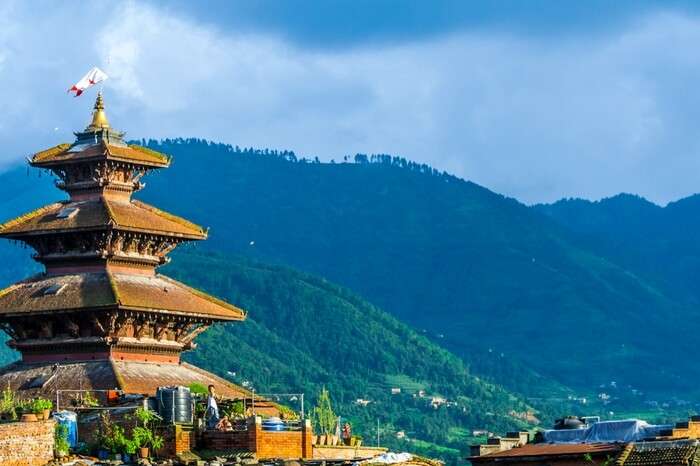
99,117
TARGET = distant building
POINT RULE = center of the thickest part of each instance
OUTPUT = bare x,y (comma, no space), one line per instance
541,454
395,391
618,443
362,402
661,453
437,401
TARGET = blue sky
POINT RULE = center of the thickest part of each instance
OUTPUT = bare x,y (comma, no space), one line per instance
534,99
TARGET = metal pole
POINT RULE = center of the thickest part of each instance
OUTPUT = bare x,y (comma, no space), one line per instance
302,406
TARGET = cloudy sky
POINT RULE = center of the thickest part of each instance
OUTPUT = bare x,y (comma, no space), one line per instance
534,99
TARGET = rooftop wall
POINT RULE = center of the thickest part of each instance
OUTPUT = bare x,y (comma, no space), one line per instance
265,444
26,443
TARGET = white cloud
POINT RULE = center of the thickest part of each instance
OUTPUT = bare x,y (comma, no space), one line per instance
538,120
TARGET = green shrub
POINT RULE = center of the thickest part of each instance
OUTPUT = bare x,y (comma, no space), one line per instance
323,413
60,438
234,410
38,405
197,388
8,404
143,435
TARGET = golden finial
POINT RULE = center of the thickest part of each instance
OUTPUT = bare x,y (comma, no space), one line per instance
99,117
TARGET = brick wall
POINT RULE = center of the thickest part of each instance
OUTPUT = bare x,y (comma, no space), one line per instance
265,444
26,443
184,439
287,445
688,429
238,440
177,439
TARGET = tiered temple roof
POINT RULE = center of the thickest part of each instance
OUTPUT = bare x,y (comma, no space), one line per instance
54,294
100,214
100,308
66,153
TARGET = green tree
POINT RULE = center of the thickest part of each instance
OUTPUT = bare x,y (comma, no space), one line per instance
323,413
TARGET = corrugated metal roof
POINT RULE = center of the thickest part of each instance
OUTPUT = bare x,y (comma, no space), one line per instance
546,449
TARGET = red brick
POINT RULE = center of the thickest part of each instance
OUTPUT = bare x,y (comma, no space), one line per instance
26,443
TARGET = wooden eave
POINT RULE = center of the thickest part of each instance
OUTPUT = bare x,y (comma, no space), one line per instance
103,215
100,291
132,154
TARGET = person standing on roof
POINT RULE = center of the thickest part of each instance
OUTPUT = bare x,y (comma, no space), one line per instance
212,412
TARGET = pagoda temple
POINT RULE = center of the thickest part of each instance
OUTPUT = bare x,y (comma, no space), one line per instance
99,316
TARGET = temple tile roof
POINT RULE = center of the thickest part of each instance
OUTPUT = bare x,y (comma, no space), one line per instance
680,452
160,292
131,377
19,377
142,378
107,290
63,153
101,213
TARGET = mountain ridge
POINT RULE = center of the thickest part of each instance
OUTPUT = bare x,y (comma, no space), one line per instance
476,270
440,253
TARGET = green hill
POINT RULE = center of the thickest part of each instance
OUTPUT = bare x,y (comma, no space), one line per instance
660,243
304,332
473,269
526,301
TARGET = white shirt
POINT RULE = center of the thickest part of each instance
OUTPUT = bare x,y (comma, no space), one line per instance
212,407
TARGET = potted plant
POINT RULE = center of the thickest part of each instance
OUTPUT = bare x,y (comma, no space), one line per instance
147,440
104,430
111,438
130,446
116,444
42,408
25,409
325,418
143,435
61,445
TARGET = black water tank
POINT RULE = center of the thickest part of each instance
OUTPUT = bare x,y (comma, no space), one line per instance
569,422
175,404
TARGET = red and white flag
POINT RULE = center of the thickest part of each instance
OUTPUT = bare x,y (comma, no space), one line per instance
93,77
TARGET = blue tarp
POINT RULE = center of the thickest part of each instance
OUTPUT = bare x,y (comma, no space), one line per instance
629,430
70,420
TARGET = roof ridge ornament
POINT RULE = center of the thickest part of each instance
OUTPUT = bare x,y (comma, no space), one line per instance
99,117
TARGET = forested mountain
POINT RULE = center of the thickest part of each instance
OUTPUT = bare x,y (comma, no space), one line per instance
477,270
304,333
662,243
525,300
